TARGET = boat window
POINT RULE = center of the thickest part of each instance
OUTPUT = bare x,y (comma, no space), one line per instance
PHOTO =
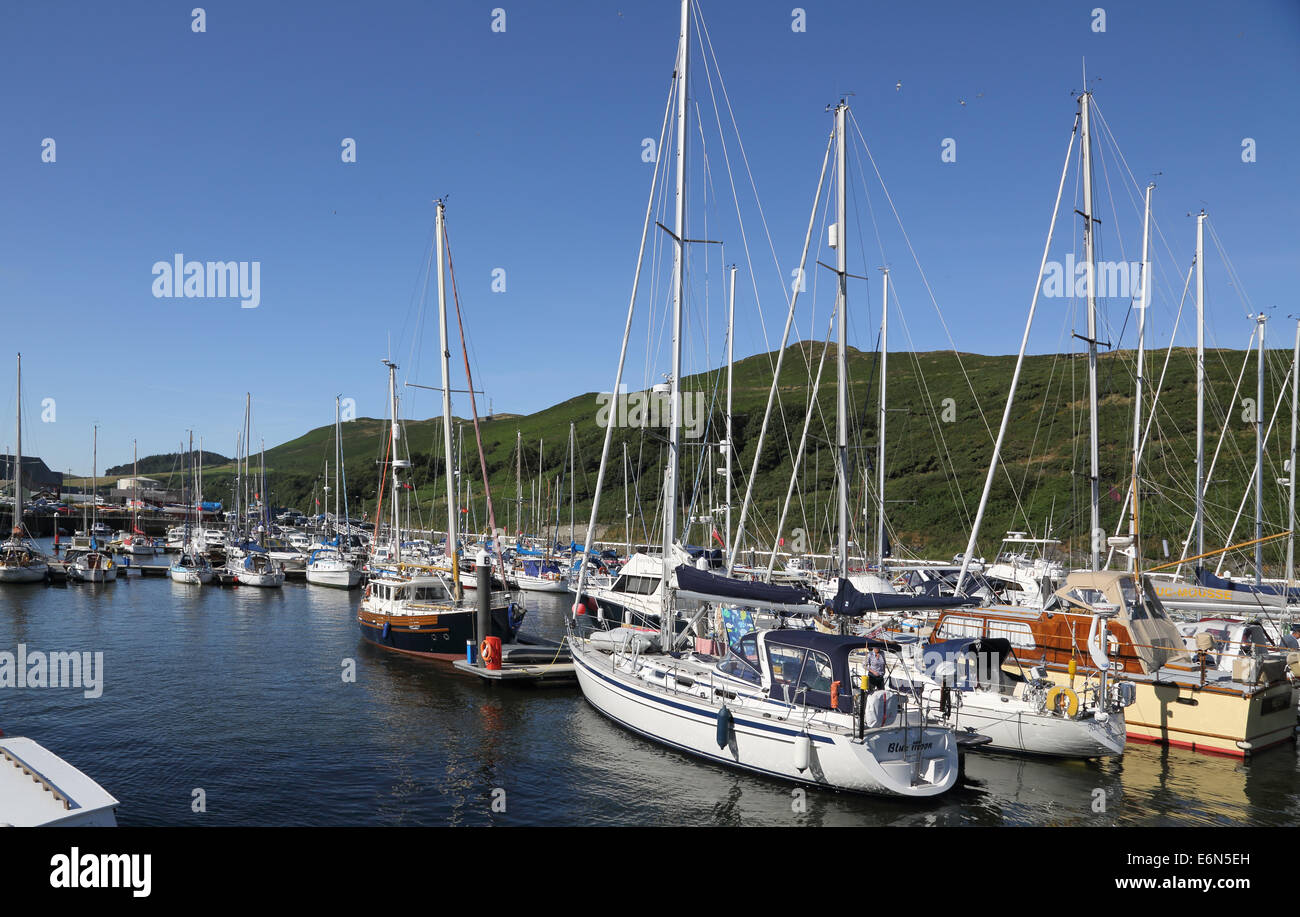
954,626
637,585
1154,608
1020,635
741,659
800,669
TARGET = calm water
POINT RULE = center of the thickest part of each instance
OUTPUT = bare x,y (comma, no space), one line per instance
240,692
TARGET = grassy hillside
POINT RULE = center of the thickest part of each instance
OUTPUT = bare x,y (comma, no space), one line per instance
943,413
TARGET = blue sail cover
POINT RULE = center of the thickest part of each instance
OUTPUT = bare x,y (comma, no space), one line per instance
1208,579
724,587
849,601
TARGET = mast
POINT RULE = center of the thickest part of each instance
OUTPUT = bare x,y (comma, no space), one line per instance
94,479
519,483
1085,148
1259,453
880,447
1200,384
1141,368
627,513
18,458
135,470
679,273
573,483
338,461
731,349
453,541
1291,469
393,434
841,360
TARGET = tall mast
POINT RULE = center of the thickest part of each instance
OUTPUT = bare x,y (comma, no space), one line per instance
841,361
1295,403
880,447
519,482
1259,453
393,435
1085,148
679,274
94,476
338,462
627,513
452,550
1200,384
18,457
135,471
1141,368
731,350
573,483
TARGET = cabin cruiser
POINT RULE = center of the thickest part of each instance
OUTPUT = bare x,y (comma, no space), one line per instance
1113,625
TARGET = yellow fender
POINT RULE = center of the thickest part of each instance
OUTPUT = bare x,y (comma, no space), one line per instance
1071,701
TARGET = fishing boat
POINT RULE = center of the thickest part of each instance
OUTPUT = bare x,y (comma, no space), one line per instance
21,561
413,608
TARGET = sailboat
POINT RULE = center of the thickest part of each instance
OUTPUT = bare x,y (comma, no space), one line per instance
414,608
136,541
259,567
1108,631
21,561
328,565
779,702
191,566
93,566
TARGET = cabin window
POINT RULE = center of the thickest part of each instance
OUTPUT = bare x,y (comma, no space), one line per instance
1020,635
955,626
637,585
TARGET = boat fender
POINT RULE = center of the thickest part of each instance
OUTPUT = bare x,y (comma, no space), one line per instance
579,609
724,726
802,750
1059,694
835,697
384,632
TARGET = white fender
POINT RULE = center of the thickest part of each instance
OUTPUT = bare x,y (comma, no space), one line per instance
802,749
1096,644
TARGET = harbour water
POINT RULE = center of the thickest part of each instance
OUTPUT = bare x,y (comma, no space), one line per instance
241,694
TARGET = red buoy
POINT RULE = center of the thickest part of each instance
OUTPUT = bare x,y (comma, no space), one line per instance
579,609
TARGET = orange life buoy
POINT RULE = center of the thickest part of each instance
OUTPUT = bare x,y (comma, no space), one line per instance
490,652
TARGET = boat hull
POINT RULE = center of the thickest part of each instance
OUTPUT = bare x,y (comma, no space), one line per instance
441,636
335,579
28,574
190,577
1208,719
876,766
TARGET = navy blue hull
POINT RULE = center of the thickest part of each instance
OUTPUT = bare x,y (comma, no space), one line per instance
445,639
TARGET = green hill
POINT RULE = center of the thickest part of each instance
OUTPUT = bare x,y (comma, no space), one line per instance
943,414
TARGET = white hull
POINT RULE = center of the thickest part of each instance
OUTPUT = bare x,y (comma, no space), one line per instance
835,760
139,549
33,573
538,584
1036,733
265,580
90,575
190,577
38,788
345,578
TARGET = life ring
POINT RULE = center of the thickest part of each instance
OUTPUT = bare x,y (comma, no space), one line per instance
1071,701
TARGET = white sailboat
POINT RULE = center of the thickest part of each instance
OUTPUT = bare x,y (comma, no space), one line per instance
192,566
21,561
328,565
136,541
783,702
93,566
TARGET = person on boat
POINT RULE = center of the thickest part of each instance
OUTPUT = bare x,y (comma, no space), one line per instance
1291,641
1254,640
875,670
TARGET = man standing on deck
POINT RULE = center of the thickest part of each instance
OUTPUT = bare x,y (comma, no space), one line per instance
875,670
1291,641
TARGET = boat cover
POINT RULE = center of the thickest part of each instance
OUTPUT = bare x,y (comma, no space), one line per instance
849,601
724,587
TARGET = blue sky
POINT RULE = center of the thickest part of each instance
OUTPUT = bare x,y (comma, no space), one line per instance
225,145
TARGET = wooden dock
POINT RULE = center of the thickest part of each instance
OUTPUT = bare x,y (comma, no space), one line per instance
536,663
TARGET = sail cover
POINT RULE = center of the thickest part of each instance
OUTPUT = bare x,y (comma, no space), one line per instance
1208,579
849,601
712,586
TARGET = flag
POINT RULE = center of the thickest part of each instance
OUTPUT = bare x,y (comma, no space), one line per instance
718,538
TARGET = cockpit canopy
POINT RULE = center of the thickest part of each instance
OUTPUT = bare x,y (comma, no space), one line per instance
1156,640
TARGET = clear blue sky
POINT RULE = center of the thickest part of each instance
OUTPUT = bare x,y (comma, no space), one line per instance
225,145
